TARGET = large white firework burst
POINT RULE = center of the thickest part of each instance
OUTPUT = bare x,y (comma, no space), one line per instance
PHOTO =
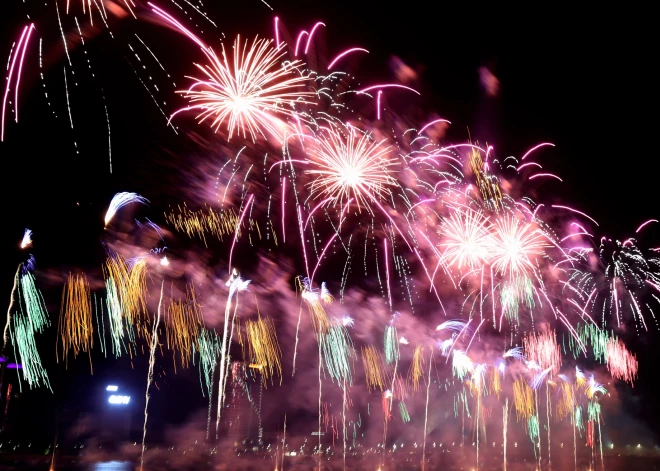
514,246
347,163
465,235
251,93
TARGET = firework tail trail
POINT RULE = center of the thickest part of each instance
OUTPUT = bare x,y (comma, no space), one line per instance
387,274
343,419
505,424
320,392
537,445
283,203
295,348
600,439
574,435
547,411
5,337
150,375
221,382
238,226
11,305
477,421
283,443
57,432
231,335
426,412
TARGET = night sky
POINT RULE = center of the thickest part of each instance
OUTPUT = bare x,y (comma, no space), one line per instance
580,79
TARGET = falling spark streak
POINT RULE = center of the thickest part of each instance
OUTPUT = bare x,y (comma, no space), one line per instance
427,125
644,225
150,374
536,147
576,211
170,19
11,73
240,220
330,241
298,41
277,32
380,93
386,85
426,412
309,36
283,213
11,305
551,175
302,241
348,51
20,68
107,119
387,273
474,335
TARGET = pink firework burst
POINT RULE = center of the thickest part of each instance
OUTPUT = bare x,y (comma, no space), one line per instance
346,164
543,350
620,362
465,234
251,93
514,245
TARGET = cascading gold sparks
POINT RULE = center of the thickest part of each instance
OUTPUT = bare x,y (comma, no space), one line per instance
565,400
130,291
416,371
183,326
487,184
495,382
374,369
319,318
205,221
523,399
75,324
263,349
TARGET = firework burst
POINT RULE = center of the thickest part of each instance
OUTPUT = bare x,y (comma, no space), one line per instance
251,93
465,235
346,163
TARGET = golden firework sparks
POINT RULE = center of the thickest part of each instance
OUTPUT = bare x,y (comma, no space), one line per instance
416,371
523,399
374,369
206,221
75,324
263,348
183,326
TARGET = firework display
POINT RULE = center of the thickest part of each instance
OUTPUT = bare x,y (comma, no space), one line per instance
428,275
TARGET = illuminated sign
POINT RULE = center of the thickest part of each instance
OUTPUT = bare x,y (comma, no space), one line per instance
112,388
123,400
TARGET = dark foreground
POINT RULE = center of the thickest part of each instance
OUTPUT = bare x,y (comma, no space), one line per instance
613,463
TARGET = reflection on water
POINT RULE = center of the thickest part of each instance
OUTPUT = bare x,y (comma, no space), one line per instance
112,466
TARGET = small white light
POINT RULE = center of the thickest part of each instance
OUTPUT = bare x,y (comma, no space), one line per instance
123,400
112,388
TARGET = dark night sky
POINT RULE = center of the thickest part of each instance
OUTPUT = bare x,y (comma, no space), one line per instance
578,78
